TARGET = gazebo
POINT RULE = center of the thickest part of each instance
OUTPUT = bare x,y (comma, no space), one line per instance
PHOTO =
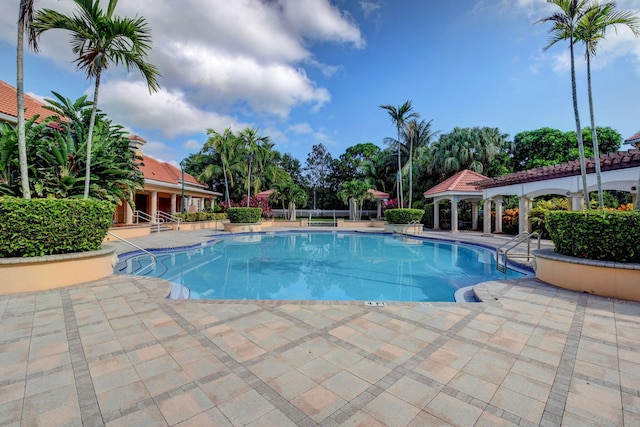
457,188
380,197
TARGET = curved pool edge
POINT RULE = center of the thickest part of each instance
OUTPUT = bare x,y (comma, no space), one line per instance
466,294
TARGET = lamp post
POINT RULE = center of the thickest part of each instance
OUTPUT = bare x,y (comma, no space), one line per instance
182,164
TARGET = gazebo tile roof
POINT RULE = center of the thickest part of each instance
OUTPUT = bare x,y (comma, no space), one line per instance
164,172
610,161
635,138
463,181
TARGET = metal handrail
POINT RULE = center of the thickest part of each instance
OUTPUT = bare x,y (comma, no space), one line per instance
167,217
502,252
405,230
153,257
145,216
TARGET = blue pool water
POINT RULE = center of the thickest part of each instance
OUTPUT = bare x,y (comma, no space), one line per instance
322,266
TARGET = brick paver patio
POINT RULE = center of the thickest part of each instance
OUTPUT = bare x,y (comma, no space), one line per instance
115,352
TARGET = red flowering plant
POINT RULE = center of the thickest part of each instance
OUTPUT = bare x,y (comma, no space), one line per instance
258,202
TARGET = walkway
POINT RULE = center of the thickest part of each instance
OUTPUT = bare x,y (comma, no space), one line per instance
116,352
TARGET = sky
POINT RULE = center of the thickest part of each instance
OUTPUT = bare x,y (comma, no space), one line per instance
306,72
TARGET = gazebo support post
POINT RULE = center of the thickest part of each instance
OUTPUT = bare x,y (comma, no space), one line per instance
474,216
454,214
524,223
486,218
436,215
498,227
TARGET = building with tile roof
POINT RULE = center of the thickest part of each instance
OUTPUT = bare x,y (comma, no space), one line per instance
633,140
457,188
164,183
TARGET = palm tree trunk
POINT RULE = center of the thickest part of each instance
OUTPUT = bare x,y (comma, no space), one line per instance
226,185
249,182
594,136
400,204
410,172
92,121
22,140
583,171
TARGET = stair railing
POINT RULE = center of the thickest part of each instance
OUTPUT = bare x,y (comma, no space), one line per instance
167,217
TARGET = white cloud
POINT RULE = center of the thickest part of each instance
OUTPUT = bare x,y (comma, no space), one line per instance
192,144
167,111
369,7
300,128
214,56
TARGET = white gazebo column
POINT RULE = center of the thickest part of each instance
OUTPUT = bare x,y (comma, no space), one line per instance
524,223
190,199
486,218
576,201
454,214
379,207
474,216
174,198
498,201
436,215
154,205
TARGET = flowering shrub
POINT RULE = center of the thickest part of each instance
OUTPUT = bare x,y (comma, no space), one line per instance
510,219
254,202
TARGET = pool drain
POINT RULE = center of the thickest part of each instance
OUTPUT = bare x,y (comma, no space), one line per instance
376,303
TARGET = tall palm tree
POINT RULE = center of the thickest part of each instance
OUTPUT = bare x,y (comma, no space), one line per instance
418,135
255,147
25,17
399,117
225,144
591,30
100,39
565,22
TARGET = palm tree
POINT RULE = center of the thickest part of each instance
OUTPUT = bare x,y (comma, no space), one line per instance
101,39
418,135
565,22
255,147
399,117
25,17
225,144
590,31
353,193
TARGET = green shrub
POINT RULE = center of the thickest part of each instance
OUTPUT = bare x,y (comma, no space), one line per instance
244,215
403,216
38,227
201,216
537,215
597,235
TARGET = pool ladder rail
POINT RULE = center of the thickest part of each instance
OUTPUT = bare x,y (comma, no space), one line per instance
502,253
153,257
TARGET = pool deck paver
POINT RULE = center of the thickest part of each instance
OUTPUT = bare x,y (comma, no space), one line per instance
116,352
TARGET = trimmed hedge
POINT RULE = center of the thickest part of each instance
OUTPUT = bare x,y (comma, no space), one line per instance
39,227
597,235
201,216
403,216
244,215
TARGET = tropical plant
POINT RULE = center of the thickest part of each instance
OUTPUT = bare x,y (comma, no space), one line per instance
100,39
25,17
289,194
419,136
591,30
257,148
564,27
225,144
353,193
399,117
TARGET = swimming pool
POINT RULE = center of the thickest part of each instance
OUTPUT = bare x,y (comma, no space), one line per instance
321,266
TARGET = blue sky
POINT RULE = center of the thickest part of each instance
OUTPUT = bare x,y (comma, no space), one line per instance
315,71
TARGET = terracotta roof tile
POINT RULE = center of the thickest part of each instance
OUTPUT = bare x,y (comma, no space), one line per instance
462,182
9,104
165,172
611,161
